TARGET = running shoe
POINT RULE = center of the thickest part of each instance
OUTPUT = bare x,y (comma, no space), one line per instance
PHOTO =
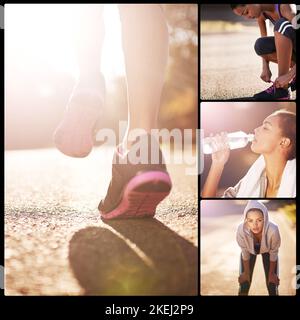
273,93
136,189
75,135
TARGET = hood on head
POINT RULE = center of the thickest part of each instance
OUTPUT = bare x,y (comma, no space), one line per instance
254,204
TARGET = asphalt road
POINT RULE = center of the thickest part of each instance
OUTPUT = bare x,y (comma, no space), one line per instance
56,243
230,67
220,257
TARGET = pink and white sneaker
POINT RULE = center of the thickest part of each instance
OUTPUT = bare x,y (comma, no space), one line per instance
135,190
75,135
273,93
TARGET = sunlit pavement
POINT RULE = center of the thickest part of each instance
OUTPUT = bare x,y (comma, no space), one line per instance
220,257
230,67
56,243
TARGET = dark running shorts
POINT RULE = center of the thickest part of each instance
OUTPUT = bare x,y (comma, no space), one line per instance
266,45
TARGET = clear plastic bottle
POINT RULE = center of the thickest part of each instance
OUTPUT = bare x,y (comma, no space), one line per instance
236,140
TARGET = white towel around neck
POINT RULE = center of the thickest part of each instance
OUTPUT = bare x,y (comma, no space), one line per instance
250,183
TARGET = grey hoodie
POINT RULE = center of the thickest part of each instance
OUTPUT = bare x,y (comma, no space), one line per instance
270,241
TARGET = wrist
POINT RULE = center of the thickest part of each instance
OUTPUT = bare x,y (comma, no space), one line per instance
266,68
292,72
271,273
217,166
266,63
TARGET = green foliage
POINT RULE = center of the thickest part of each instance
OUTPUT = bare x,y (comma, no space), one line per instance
180,97
290,212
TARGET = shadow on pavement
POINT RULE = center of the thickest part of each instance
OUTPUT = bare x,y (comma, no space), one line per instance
133,257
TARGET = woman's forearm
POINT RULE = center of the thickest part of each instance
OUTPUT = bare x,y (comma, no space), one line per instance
265,64
212,181
262,26
263,32
246,265
272,268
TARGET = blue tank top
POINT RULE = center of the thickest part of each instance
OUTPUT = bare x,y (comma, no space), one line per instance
277,9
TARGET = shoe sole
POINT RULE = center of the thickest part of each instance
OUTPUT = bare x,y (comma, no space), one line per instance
141,196
257,99
74,136
85,149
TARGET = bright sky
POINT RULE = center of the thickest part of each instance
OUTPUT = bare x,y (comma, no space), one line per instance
31,30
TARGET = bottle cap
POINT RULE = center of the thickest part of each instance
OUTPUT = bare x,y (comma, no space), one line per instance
250,137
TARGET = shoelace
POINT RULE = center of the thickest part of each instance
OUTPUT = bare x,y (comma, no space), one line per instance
293,81
271,89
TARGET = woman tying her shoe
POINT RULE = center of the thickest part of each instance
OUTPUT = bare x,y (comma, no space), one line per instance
273,174
280,48
135,189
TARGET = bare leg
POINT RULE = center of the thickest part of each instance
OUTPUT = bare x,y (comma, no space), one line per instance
284,49
145,45
75,134
272,57
88,39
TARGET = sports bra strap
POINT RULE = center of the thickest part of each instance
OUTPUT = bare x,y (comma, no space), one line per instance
277,8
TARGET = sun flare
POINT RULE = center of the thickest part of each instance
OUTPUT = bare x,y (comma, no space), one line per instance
39,35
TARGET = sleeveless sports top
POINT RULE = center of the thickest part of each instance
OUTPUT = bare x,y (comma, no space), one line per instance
277,9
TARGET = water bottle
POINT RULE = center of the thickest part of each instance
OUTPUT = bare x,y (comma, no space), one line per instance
236,140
